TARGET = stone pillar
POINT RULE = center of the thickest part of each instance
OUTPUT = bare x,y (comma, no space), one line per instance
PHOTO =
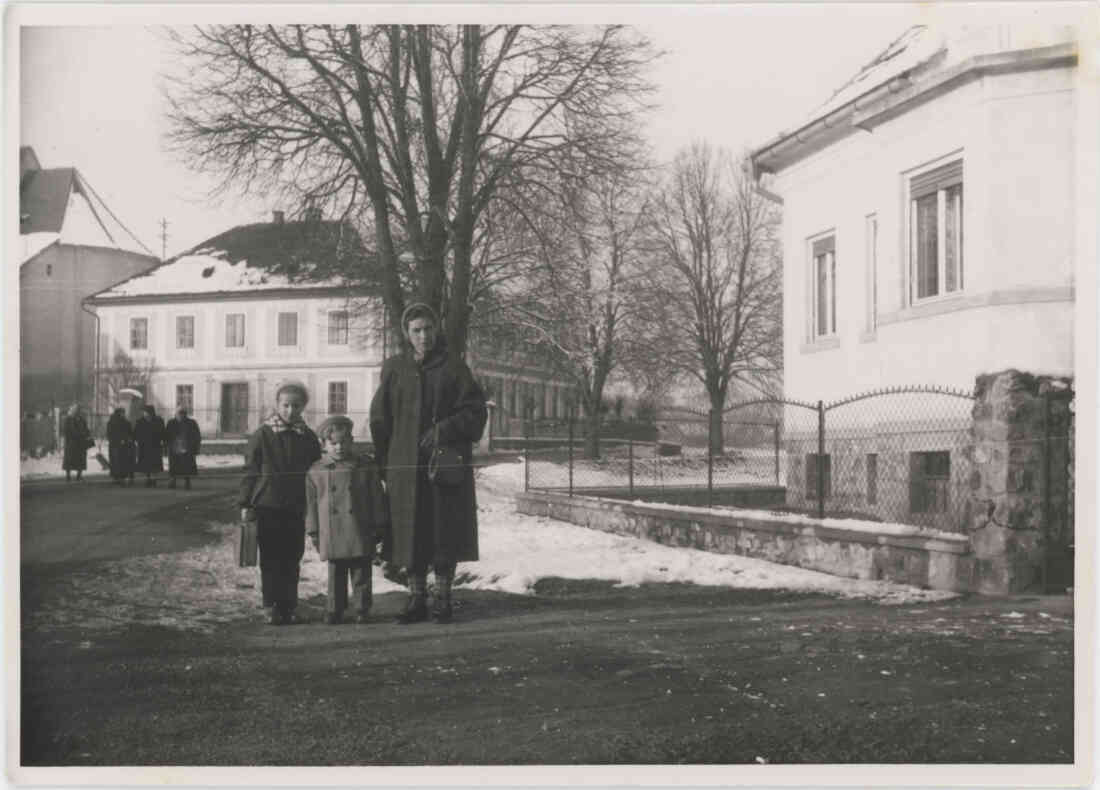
1005,512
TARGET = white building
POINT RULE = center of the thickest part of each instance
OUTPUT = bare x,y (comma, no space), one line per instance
932,214
935,210
217,329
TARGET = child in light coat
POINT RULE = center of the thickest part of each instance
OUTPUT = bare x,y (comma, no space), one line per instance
345,517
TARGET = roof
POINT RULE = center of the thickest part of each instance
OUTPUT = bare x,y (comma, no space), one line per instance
58,204
913,67
264,257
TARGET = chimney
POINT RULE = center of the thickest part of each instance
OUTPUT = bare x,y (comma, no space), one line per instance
277,217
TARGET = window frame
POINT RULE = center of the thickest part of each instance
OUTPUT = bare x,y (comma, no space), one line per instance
828,251
813,464
341,383
930,501
938,179
280,325
341,328
179,319
143,321
871,252
229,320
190,400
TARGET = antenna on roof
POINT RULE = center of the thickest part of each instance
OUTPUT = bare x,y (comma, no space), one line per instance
163,239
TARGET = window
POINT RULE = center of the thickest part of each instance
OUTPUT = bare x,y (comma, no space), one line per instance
337,397
49,270
823,287
288,329
929,476
234,330
812,468
185,397
338,328
871,233
185,331
936,232
872,478
139,333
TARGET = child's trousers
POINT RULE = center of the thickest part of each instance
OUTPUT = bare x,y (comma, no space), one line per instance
359,569
281,538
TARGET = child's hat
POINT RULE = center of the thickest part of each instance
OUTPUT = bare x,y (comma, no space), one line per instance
336,421
293,385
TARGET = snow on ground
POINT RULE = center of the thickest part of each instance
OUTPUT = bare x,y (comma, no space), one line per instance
49,465
743,466
201,588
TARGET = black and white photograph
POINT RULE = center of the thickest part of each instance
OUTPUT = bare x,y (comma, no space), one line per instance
551,394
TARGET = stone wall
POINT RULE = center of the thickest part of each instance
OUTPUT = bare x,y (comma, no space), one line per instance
1019,487
937,561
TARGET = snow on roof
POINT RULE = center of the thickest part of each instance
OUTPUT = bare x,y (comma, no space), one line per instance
34,243
208,271
263,256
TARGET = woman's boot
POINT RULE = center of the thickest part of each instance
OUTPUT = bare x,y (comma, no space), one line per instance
416,610
441,608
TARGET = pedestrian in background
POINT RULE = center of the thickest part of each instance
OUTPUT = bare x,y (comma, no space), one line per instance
273,493
120,447
345,517
183,439
427,398
78,439
149,435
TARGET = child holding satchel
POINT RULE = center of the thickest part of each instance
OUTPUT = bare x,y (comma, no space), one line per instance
273,494
345,517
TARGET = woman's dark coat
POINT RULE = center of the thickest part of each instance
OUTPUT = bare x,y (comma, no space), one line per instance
77,441
275,469
410,393
149,434
120,447
183,439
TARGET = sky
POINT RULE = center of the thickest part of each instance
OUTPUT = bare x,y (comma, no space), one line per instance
90,97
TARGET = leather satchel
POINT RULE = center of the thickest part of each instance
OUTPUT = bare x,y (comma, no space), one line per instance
246,545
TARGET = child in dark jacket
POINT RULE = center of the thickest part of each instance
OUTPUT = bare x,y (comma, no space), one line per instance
273,494
345,517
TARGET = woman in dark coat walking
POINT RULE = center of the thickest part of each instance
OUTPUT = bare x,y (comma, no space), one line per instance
149,435
77,441
120,447
433,524
183,439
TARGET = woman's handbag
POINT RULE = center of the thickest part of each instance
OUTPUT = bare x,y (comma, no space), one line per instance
446,467
246,545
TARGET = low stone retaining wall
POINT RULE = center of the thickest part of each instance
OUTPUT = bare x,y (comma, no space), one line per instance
746,496
892,552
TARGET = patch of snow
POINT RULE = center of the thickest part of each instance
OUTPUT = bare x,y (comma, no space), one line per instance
208,271
49,465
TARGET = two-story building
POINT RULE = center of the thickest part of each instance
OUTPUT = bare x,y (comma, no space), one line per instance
217,329
935,210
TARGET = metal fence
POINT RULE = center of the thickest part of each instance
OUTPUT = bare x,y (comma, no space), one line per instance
903,456
665,461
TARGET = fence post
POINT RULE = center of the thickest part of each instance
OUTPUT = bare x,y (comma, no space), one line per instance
492,410
1045,568
776,428
820,460
526,453
572,413
630,465
710,459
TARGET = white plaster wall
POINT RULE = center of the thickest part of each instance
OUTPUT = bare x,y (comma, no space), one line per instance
1015,134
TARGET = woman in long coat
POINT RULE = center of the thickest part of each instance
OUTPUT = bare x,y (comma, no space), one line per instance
120,447
183,439
77,441
433,525
149,435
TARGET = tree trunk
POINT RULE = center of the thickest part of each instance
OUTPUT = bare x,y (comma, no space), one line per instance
592,436
715,444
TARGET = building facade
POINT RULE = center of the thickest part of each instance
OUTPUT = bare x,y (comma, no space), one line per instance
71,247
935,210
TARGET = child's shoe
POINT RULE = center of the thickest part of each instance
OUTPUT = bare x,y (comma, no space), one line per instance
416,611
272,616
442,613
333,618
362,618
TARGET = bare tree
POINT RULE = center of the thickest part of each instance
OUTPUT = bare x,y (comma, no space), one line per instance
716,284
582,301
123,372
419,124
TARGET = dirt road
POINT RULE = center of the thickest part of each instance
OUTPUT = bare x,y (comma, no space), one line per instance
580,672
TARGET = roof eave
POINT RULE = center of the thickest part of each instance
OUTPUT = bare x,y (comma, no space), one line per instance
203,296
897,96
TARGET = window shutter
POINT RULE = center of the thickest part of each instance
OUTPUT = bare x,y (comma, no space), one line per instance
934,180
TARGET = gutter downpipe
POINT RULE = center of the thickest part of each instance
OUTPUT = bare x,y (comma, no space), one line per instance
95,354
